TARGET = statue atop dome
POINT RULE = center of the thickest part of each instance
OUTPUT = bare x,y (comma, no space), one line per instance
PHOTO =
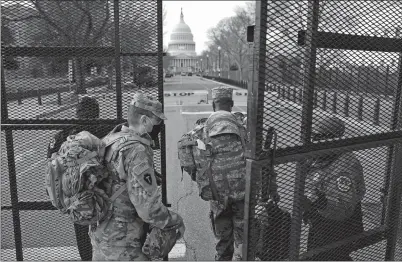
182,16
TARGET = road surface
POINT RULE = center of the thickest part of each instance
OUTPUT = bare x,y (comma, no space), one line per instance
182,94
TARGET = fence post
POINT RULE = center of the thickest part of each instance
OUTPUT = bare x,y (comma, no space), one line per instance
360,108
300,96
315,98
19,96
335,101
377,112
294,95
324,101
386,79
39,97
347,100
59,98
288,93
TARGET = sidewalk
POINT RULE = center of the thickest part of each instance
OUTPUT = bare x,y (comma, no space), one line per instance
220,83
70,253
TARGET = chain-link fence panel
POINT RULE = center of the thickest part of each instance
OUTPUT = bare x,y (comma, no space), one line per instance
327,222
67,66
328,83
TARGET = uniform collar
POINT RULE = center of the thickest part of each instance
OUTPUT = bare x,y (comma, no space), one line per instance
126,129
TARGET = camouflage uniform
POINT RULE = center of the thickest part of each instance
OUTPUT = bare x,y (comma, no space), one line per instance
227,218
121,237
334,188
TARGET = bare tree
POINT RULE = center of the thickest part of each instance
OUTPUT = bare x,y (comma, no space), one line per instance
71,23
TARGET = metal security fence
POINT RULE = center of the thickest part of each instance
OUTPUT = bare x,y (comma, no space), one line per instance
54,53
300,44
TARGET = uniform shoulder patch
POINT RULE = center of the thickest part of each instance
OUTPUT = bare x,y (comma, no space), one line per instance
344,183
148,179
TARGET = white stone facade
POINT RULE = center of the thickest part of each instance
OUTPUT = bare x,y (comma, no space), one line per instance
182,48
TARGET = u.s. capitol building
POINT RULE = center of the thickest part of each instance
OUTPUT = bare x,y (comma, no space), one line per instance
181,48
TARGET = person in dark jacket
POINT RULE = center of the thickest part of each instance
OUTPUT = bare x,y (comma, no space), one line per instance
88,108
334,190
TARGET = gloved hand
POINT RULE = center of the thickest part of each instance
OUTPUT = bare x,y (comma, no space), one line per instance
176,221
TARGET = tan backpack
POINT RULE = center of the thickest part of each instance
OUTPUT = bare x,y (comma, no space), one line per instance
213,154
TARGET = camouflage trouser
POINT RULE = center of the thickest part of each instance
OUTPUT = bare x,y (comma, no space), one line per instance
227,224
118,240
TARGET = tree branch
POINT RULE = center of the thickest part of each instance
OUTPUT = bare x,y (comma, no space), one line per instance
88,14
49,20
102,30
75,31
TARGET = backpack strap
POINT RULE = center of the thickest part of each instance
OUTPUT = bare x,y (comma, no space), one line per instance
118,193
111,139
208,169
210,158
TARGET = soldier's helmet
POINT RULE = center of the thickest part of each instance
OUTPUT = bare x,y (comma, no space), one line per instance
328,128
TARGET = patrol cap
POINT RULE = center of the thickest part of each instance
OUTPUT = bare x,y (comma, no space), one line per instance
330,126
148,103
221,92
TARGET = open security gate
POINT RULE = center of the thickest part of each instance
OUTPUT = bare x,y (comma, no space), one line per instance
323,58
53,54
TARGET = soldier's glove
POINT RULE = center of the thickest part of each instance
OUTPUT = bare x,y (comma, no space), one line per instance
160,242
158,177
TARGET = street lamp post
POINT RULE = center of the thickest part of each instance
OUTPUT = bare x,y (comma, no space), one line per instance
219,60
201,65
208,63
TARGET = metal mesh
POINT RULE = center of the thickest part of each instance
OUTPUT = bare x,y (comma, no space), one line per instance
323,59
55,56
372,207
356,85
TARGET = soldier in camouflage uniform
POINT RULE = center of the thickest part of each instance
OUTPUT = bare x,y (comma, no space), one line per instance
121,236
334,191
227,216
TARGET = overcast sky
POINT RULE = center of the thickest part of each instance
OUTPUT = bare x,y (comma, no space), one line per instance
199,15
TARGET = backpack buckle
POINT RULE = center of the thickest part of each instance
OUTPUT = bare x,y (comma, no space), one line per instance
208,152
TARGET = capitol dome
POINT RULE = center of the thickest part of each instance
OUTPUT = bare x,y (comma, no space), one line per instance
182,47
181,27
